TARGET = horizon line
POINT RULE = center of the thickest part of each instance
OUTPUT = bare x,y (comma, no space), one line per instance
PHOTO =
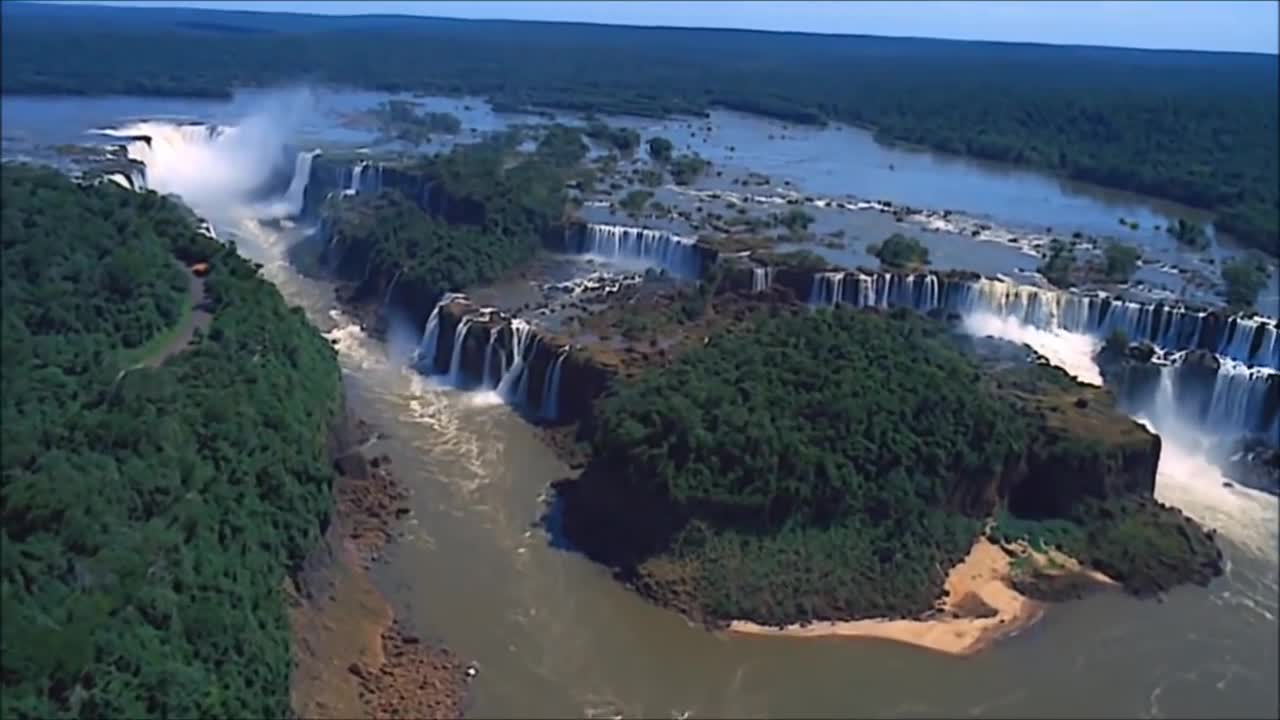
161,5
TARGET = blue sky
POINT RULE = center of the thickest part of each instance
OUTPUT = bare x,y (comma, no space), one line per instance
1206,25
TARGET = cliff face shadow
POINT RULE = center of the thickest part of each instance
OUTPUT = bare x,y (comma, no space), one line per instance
552,519
305,255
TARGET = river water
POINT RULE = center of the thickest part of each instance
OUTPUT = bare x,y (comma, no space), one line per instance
554,636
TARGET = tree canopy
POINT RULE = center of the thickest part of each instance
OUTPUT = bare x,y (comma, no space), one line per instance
1120,261
900,252
150,517
1243,279
806,467
455,220
837,464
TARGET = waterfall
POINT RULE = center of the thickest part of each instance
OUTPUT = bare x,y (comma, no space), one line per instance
827,289
354,187
654,248
485,382
761,279
121,180
290,205
426,350
520,332
214,167
551,387
386,300
522,389
1239,399
455,359
1199,400
1251,340
1244,334
1165,403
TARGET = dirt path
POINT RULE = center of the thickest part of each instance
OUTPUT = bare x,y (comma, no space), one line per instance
199,317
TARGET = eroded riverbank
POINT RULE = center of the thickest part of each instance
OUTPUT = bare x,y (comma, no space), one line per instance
354,657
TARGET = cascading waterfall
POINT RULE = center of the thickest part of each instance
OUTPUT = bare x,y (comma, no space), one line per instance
761,279
455,359
209,166
551,387
828,289
1244,334
522,388
881,290
291,204
362,177
654,248
1252,340
485,380
426,351
506,374
353,187
1199,400
1239,400
521,331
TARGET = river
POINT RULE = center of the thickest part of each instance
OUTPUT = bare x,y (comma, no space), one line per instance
553,635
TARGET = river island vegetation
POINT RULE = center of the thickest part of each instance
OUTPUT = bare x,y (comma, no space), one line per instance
457,219
150,517
900,252
1120,262
1196,127
1059,266
1243,279
624,140
660,149
835,465
401,120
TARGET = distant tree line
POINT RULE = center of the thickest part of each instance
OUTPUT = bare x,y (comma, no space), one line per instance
1200,128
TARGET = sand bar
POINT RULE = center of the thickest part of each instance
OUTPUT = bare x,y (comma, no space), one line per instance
982,578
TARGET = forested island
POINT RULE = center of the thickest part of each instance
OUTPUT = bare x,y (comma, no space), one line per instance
151,511
1196,127
835,466
453,220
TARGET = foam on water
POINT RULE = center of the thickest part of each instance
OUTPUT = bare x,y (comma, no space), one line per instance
1184,478
1072,352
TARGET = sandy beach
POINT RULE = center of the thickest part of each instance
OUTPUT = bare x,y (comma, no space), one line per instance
979,607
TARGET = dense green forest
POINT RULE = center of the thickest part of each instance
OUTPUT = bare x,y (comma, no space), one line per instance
836,465
803,469
455,220
1200,128
150,517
